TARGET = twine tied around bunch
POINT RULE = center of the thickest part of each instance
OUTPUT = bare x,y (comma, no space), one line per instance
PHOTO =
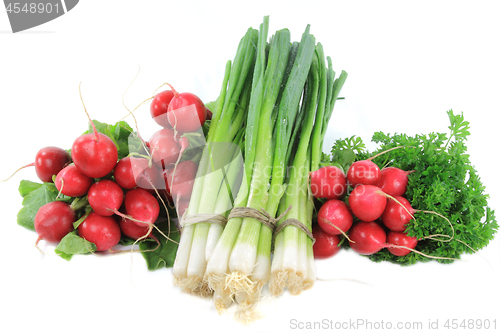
203,218
241,212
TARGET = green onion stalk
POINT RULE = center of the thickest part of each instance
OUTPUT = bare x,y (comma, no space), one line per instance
293,261
219,169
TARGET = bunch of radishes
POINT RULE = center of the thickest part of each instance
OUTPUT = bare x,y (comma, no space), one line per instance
121,196
376,200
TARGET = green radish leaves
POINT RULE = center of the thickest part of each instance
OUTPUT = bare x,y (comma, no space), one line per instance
35,196
73,244
162,255
26,187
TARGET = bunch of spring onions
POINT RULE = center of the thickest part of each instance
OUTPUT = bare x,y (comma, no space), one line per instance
285,101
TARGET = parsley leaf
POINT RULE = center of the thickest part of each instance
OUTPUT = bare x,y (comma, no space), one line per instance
344,152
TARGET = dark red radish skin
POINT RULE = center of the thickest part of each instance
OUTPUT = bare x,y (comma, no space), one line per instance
209,114
49,161
393,181
367,202
141,206
123,173
54,220
186,112
395,216
105,197
73,183
103,231
147,177
164,148
400,239
180,180
94,154
328,182
135,171
367,237
335,217
159,107
363,173
134,231
326,245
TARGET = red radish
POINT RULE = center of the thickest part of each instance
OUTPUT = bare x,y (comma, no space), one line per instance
159,107
367,237
142,206
147,177
363,172
54,220
105,197
186,112
328,182
397,214
334,217
48,162
103,231
71,182
94,154
132,171
366,172
134,231
180,180
400,239
367,202
123,173
393,181
326,245
164,148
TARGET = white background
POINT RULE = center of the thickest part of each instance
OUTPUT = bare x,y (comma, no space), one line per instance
408,63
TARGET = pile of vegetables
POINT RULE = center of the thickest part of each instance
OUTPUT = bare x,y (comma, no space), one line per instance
414,199
256,198
275,104
113,188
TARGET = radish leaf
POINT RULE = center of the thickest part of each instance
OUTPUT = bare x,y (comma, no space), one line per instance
73,244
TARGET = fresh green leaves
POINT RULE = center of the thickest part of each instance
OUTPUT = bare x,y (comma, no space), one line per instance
162,255
353,143
26,187
344,152
459,127
73,244
35,196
